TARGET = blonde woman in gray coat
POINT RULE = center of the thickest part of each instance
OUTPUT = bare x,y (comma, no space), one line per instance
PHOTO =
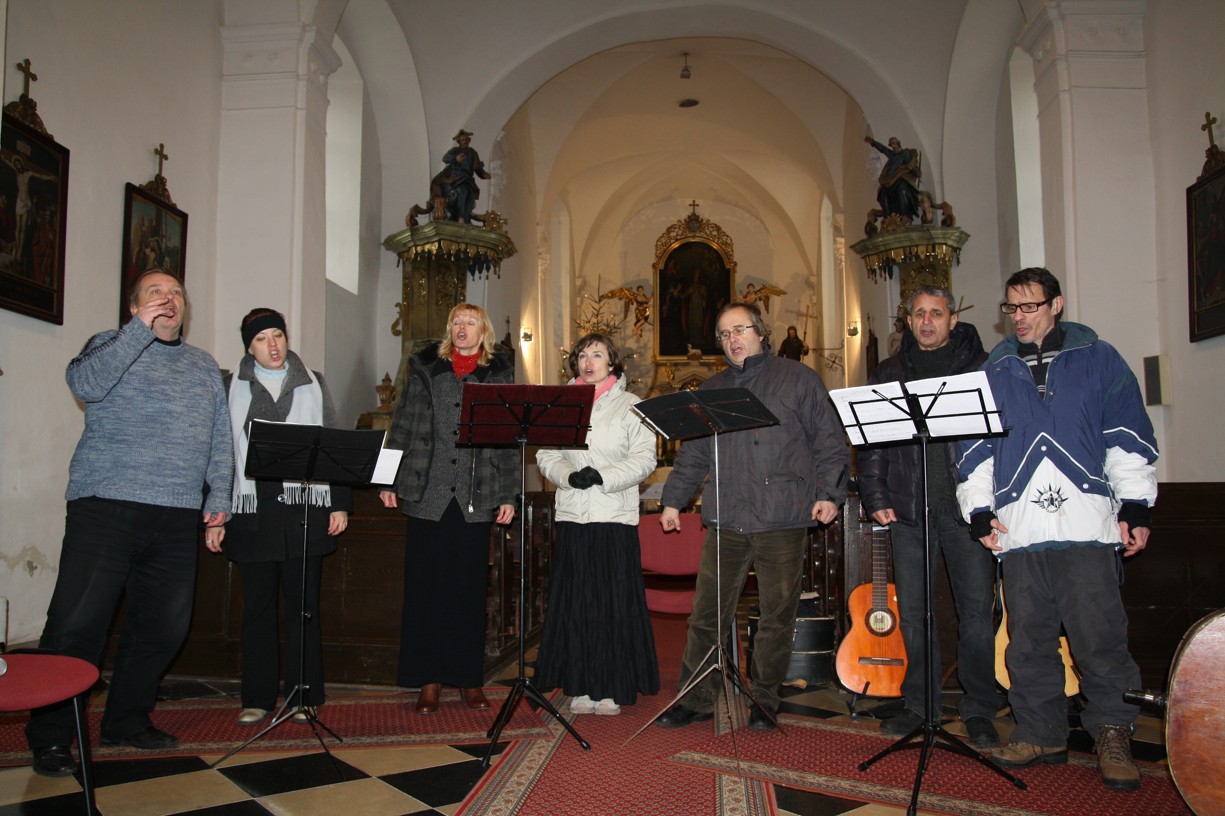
597,644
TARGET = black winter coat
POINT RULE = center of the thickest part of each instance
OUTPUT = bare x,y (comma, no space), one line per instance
274,532
889,474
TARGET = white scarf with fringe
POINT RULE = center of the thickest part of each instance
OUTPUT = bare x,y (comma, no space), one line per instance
307,409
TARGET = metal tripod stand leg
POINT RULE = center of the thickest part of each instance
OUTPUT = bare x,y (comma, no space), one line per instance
722,659
288,708
522,684
930,730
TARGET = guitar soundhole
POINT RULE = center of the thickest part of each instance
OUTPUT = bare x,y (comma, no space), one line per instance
881,622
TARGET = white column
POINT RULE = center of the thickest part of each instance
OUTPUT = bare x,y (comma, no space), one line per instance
271,226
1097,166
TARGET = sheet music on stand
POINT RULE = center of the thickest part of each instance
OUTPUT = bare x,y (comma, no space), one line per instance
957,405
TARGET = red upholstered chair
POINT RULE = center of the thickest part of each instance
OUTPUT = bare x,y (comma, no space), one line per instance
37,680
668,559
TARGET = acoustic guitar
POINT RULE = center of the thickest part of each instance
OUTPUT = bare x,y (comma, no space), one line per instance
1071,676
872,658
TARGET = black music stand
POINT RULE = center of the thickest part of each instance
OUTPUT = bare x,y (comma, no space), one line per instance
688,415
289,452
966,409
495,415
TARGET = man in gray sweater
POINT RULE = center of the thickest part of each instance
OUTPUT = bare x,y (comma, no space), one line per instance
157,430
777,482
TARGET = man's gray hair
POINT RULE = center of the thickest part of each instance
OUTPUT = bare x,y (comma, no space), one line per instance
931,291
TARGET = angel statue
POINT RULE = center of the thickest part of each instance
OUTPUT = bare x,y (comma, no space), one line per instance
638,299
761,294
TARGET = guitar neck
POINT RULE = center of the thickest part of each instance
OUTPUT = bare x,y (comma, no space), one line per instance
880,569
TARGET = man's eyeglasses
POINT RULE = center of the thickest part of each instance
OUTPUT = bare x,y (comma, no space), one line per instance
1027,308
736,330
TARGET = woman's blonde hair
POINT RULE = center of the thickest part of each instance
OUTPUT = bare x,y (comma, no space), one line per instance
487,339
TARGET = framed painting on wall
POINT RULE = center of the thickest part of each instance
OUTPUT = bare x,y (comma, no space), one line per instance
33,205
154,237
693,281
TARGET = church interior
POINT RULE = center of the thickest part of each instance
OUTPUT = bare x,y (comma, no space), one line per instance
629,149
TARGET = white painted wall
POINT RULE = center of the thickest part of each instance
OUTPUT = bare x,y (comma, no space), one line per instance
110,88
1184,59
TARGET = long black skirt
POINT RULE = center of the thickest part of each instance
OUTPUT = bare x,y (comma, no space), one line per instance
597,637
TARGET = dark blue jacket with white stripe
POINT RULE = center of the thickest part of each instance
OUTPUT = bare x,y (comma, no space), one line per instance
1071,456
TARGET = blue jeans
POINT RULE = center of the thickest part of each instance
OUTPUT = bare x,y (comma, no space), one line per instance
971,569
112,548
777,557
1078,588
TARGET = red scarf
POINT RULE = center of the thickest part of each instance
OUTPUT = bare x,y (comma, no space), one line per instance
464,363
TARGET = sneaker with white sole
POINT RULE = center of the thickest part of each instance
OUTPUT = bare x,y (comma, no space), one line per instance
252,716
305,714
608,707
582,705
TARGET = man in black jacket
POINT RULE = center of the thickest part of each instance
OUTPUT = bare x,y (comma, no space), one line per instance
890,488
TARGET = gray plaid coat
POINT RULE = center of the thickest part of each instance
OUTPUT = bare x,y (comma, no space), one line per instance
494,479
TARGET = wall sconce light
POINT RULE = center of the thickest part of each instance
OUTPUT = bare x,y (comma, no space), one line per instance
525,334
852,328
685,72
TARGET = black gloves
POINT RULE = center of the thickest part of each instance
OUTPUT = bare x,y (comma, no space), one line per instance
585,478
1133,514
980,524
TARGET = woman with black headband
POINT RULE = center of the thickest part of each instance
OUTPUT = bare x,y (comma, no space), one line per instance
264,534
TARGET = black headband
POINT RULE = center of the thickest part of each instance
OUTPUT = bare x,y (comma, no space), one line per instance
259,324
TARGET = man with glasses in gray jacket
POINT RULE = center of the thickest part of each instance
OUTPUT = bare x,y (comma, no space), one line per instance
776,482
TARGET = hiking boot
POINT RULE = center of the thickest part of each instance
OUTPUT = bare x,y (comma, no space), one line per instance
1114,758
1024,754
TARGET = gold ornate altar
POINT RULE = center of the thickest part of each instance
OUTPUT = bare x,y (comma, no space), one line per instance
695,276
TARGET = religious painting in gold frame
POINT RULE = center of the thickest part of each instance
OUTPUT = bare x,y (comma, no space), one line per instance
695,277
33,212
1206,255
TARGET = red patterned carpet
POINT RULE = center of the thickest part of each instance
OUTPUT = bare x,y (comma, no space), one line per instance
208,726
558,778
824,756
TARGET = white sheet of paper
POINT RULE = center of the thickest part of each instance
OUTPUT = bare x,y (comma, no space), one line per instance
882,420
385,469
960,409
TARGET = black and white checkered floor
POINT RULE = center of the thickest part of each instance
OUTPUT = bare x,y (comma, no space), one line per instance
397,781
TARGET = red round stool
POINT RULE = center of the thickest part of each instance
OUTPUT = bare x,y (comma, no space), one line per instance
37,680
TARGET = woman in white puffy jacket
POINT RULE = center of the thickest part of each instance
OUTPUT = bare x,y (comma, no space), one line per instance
597,644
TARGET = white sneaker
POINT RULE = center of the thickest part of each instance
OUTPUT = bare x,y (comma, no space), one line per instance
252,716
305,714
608,707
582,705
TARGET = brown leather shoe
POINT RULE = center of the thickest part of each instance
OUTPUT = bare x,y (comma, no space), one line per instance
475,698
427,700
1025,754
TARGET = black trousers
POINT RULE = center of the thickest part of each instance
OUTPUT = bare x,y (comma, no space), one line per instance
446,574
112,548
263,584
